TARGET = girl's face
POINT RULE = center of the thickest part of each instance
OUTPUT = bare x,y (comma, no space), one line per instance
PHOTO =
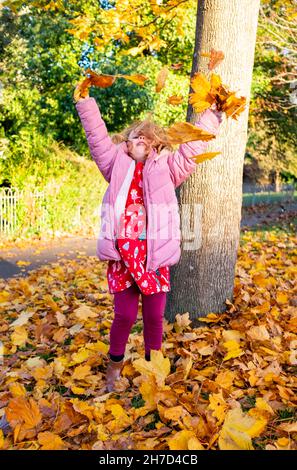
139,146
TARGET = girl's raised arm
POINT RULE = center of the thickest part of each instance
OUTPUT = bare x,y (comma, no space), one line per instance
102,149
180,163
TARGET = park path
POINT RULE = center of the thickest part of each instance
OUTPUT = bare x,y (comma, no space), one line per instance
38,253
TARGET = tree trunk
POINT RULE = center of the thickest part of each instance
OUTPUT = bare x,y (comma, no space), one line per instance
211,198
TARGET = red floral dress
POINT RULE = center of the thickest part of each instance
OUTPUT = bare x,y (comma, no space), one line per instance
132,246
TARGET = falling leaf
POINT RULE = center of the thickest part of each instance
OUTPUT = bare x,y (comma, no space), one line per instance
137,78
204,156
182,132
216,57
161,79
176,66
175,100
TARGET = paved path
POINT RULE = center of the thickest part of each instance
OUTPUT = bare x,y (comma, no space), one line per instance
42,253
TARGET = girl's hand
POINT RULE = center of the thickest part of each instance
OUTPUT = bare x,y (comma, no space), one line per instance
214,109
80,93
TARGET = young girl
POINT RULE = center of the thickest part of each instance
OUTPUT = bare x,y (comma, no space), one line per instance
140,225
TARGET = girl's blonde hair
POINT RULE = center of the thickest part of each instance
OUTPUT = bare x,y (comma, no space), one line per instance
149,129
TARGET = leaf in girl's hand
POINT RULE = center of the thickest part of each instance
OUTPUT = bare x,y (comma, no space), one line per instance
214,91
204,156
161,79
234,106
137,78
201,99
175,100
82,89
182,132
101,81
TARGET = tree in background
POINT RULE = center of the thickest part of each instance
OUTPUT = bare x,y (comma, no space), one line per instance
272,132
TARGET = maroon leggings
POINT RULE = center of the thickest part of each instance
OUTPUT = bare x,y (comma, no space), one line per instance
126,310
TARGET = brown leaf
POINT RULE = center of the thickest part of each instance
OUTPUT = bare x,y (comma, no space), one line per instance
182,132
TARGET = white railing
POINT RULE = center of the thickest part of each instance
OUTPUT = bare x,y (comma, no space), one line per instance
13,201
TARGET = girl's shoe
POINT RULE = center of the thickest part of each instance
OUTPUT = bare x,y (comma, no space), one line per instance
113,372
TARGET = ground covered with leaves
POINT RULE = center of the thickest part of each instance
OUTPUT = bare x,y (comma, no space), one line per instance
230,384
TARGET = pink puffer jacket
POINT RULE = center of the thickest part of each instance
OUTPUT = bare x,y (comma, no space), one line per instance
162,173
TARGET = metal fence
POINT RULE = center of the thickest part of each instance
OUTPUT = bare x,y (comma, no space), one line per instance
17,205
254,194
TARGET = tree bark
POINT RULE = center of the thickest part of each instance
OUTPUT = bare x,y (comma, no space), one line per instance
211,198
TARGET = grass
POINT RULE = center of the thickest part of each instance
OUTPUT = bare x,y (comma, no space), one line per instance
251,199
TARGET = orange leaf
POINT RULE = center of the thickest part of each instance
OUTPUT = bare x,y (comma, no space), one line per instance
82,89
175,100
216,57
176,66
101,81
20,409
51,441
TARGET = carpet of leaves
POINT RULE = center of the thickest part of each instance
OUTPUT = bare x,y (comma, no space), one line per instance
229,384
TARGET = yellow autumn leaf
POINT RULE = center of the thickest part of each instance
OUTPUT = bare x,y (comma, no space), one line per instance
182,132
161,79
225,379
258,333
149,392
81,372
121,421
201,98
84,312
99,346
78,390
182,439
233,349
204,156
4,296
218,406
174,413
17,390
174,100
1,439
158,366
238,429
51,441
281,298
19,336
182,322
80,356
137,78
